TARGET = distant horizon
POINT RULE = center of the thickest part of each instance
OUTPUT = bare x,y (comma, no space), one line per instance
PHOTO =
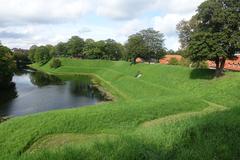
25,23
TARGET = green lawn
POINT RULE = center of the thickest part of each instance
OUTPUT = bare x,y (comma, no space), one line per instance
171,112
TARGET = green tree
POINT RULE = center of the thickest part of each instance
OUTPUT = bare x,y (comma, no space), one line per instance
112,50
61,49
93,50
42,55
135,47
52,50
184,30
7,66
32,52
147,44
90,49
217,34
21,57
75,46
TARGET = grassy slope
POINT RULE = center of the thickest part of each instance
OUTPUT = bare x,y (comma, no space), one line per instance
171,113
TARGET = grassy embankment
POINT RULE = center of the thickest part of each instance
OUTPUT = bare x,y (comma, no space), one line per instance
171,112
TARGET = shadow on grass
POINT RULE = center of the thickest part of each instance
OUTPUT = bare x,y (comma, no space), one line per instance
207,74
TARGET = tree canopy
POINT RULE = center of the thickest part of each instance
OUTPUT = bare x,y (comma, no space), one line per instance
146,44
75,46
7,66
216,35
42,54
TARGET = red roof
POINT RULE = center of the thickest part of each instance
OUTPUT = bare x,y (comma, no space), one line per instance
231,64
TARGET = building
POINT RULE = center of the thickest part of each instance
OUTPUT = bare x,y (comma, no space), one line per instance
167,58
231,64
139,60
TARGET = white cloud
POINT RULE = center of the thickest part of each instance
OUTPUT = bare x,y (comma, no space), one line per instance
167,23
122,9
178,6
27,22
132,26
41,11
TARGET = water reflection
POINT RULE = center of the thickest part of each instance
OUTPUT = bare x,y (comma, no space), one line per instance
40,79
7,94
38,92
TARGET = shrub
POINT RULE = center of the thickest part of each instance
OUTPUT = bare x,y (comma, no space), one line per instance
173,61
200,65
56,63
185,62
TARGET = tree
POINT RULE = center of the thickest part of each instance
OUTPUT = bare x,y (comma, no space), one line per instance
75,46
21,57
184,30
61,49
31,53
93,50
112,50
217,34
42,55
7,66
171,52
52,50
147,44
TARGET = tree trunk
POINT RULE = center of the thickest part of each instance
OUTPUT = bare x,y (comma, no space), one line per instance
220,63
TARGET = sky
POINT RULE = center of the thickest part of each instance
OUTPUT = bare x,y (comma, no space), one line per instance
24,23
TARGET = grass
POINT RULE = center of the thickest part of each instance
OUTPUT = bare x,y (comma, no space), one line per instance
171,112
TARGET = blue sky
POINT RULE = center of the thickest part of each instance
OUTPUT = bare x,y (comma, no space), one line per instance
27,22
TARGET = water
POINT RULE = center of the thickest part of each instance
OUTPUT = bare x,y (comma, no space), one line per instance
38,92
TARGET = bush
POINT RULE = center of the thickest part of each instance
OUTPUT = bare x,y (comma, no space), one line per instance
185,62
200,65
173,61
56,63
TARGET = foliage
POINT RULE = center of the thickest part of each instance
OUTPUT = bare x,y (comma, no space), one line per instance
75,46
217,34
146,44
55,63
185,62
173,61
61,49
42,55
21,57
112,50
94,50
185,29
7,66
171,52
31,53
51,50
199,65
108,49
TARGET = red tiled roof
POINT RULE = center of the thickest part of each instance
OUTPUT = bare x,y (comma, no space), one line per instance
231,64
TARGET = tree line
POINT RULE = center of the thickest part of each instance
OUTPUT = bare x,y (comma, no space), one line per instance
7,66
147,44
